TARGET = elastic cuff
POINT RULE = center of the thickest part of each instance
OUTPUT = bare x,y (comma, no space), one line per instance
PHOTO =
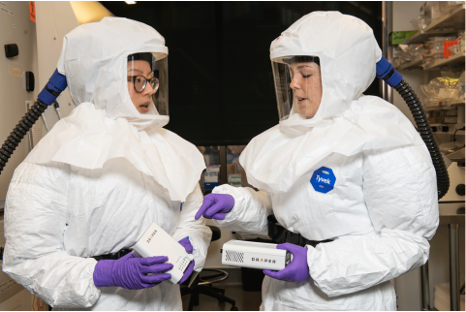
103,273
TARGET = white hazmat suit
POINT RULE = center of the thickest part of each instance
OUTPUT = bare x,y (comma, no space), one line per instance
95,183
380,205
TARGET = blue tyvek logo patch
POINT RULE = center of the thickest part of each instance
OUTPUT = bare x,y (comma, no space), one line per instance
323,180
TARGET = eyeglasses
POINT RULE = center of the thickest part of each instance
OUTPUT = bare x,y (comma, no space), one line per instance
140,83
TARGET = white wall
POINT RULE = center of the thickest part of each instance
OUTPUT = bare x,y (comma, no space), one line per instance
16,27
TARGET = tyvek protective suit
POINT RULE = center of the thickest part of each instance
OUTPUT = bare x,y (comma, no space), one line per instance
378,197
96,182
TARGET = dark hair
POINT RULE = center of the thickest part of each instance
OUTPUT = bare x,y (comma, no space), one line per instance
143,56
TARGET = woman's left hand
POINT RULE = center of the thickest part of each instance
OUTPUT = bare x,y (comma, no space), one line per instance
297,271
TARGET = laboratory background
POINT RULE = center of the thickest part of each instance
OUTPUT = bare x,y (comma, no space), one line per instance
222,95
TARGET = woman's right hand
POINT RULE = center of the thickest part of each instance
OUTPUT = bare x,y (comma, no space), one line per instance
131,272
215,206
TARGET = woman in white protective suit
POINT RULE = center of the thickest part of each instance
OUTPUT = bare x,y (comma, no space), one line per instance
95,183
346,176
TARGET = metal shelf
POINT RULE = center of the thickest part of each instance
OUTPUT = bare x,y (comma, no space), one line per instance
414,64
461,103
421,37
455,19
432,108
447,24
454,59
452,219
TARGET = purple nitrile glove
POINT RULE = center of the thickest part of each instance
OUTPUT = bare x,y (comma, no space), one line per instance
215,206
186,244
297,271
189,249
187,273
131,272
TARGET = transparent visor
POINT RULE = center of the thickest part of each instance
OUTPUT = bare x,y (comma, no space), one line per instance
148,82
298,85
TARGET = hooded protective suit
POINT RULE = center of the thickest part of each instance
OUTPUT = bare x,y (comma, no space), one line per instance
357,173
101,176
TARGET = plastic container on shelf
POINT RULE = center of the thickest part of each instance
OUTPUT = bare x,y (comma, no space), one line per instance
461,41
434,55
441,38
405,53
436,47
442,91
453,50
460,88
448,6
431,10
420,22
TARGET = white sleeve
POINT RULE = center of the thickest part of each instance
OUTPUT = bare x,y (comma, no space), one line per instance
249,214
199,234
35,219
400,192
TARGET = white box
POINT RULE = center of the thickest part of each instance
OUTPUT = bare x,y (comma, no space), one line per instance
255,255
156,242
211,177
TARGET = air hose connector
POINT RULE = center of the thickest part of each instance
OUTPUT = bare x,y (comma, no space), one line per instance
56,84
387,72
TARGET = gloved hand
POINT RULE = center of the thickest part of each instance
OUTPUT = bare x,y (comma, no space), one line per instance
215,206
187,273
297,271
131,272
186,244
189,249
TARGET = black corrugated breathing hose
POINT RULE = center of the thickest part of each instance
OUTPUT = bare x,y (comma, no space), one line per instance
12,142
409,96
393,78
56,84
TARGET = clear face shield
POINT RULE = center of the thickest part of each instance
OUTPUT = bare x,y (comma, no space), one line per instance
298,85
148,82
